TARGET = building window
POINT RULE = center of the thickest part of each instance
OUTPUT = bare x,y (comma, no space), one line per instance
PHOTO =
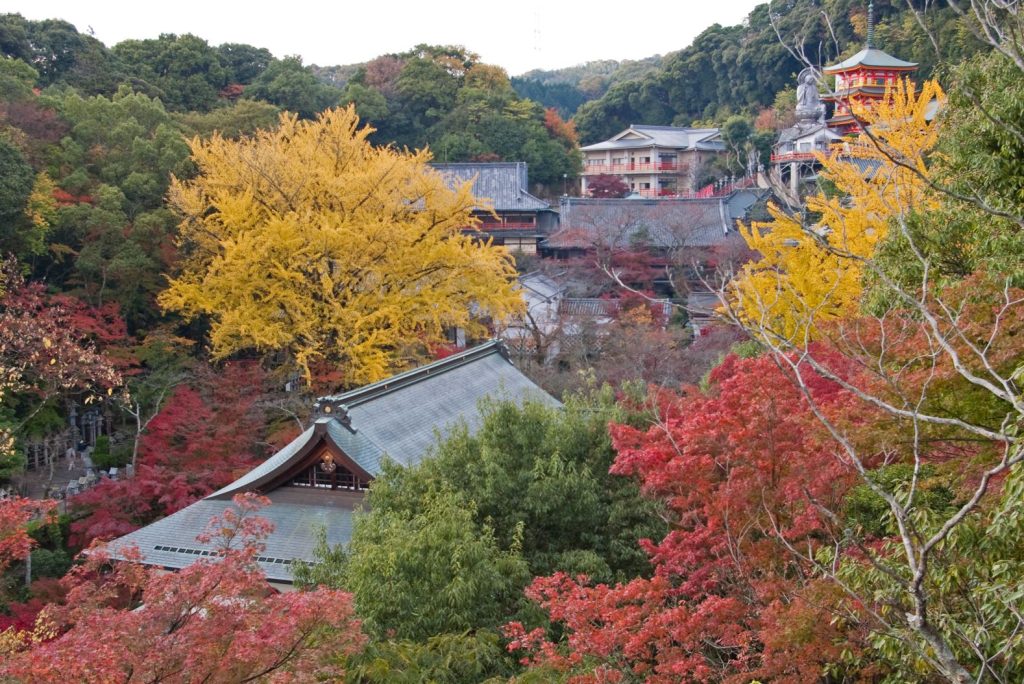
524,245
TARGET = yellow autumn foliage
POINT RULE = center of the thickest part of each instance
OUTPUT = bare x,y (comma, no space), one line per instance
309,240
811,268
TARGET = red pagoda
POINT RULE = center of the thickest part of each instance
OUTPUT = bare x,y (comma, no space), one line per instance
862,80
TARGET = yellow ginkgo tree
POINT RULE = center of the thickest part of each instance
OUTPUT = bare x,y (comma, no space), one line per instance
310,242
811,268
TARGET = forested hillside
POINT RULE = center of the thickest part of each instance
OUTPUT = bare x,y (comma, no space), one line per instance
741,69
443,97
566,89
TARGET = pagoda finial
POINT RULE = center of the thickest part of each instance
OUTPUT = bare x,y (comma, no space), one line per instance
871,24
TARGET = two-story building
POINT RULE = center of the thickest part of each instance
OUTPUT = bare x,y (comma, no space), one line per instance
654,161
515,219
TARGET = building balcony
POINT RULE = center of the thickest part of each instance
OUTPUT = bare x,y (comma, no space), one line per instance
510,225
660,192
638,167
781,157
720,189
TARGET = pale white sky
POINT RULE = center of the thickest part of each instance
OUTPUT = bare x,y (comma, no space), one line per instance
516,34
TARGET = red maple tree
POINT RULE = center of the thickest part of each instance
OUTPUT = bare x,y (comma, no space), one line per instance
47,345
741,467
205,436
215,621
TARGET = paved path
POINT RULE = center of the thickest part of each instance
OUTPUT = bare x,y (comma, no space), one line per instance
35,484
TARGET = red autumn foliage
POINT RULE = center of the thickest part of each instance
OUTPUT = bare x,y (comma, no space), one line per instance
205,436
15,514
606,186
443,351
560,128
46,344
65,198
232,91
42,127
738,467
215,621
22,616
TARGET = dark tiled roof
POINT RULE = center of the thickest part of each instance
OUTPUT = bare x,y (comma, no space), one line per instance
504,183
588,307
803,130
624,223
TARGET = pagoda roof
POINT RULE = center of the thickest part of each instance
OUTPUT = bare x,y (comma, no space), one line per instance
872,58
873,90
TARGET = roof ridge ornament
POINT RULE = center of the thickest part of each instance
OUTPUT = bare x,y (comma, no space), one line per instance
325,407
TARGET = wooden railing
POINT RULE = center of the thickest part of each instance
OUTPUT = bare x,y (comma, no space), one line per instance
637,167
720,189
510,225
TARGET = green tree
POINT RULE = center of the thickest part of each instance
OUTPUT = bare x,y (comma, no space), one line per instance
370,104
293,87
117,160
16,181
186,71
60,54
244,117
244,62
16,79
539,476
433,571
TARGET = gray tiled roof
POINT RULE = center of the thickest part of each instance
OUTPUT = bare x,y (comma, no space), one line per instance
354,444
401,418
542,285
171,542
661,223
662,136
406,414
268,466
803,130
870,57
596,308
504,183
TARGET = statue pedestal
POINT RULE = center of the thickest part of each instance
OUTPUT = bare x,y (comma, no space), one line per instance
807,115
